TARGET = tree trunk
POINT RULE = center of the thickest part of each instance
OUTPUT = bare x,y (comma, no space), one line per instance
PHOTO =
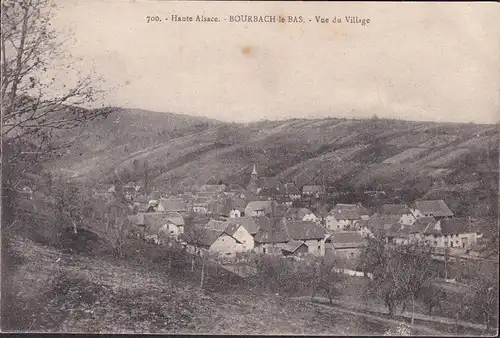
413,310
74,227
202,273
391,309
192,264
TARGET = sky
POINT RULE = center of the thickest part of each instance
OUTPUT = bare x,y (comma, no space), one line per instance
413,61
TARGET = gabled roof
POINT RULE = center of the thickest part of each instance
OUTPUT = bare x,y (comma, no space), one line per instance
347,239
249,223
422,223
345,212
216,225
153,221
231,229
202,237
436,208
272,234
394,209
381,222
260,205
292,245
304,230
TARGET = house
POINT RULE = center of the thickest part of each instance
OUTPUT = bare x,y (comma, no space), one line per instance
345,217
312,234
315,191
166,225
233,207
401,210
300,214
260,208
200,205
251,224
221,237
171,205
292,192
458,233
271,236
346,244
379,224
434,208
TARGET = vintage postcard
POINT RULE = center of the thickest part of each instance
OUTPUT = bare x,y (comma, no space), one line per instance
250,168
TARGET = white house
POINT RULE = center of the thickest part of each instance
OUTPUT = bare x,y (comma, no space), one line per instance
345,217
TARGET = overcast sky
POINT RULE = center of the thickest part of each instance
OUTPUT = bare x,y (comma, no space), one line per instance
415,61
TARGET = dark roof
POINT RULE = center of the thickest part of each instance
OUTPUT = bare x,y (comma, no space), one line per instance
381,222
304,230
436,208
231,229
422,223
394,209
271,234
153,221
347,239
202,236
249,223
216,225
457,226
292,245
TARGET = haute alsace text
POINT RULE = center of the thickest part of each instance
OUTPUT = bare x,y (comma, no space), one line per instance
262,19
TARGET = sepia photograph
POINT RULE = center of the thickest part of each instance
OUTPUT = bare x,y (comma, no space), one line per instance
250,168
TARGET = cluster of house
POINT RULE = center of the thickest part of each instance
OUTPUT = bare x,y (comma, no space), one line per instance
262,219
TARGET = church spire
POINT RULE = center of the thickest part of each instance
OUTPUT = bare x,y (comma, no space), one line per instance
254,171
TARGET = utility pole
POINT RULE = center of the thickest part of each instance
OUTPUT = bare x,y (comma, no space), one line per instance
146,180
445,261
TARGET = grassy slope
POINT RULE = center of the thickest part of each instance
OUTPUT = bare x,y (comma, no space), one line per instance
55,291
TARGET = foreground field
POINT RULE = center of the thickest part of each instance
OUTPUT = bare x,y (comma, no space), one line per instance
54,291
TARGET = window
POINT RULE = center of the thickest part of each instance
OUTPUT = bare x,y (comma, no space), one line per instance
263,250
451,244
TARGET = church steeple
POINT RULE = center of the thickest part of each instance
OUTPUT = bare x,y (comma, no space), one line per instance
254,171
253,184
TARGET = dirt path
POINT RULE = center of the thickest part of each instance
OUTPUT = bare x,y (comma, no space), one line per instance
421,329
357,306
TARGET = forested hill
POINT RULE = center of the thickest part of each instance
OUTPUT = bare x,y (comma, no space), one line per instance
435,159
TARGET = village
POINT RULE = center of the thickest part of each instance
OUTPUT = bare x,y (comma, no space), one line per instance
271,217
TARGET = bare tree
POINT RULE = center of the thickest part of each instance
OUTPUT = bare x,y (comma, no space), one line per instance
33,108
326,278
483,298
399,273
432,296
